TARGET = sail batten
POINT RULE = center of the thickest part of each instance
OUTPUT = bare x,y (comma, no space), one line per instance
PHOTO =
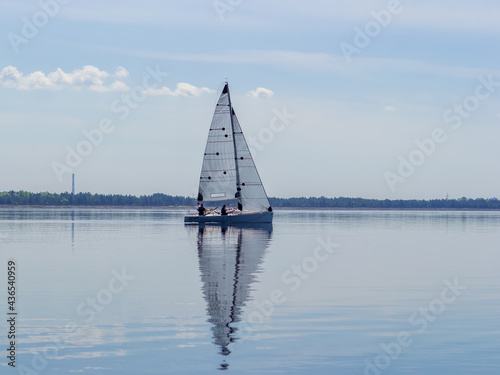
228,170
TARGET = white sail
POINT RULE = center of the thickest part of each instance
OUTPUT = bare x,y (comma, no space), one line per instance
228,171
218,172
252,195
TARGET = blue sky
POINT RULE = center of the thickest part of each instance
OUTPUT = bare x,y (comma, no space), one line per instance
351,121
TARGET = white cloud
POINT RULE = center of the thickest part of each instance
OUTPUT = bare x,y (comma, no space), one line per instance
89,77
121,72
182,89
115,86
261,92
389,108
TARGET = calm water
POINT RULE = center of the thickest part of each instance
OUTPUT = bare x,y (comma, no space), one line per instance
319,292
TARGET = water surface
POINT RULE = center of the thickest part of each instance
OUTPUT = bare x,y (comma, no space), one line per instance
114,291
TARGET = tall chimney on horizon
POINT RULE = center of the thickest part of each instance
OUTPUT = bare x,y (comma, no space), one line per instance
73,185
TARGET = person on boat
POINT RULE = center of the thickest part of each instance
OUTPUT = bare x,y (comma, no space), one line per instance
223,210
201,210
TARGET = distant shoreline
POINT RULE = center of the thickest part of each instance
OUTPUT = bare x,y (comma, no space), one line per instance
69,207
165,201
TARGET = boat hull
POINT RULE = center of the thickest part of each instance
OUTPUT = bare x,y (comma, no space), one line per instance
243,217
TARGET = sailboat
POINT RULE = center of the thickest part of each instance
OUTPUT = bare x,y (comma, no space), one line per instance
228,174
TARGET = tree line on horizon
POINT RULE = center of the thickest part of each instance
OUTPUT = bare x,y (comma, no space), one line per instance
88,199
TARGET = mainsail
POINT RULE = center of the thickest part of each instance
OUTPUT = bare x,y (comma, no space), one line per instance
228,171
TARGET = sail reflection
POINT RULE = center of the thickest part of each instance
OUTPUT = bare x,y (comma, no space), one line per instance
230,259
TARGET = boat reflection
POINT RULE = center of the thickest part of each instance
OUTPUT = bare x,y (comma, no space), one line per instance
230,258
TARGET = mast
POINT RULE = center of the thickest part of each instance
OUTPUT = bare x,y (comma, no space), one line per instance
240,207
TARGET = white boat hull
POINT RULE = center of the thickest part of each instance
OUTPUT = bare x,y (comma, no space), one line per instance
240,217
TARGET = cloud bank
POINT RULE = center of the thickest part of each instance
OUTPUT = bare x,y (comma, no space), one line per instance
88,78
